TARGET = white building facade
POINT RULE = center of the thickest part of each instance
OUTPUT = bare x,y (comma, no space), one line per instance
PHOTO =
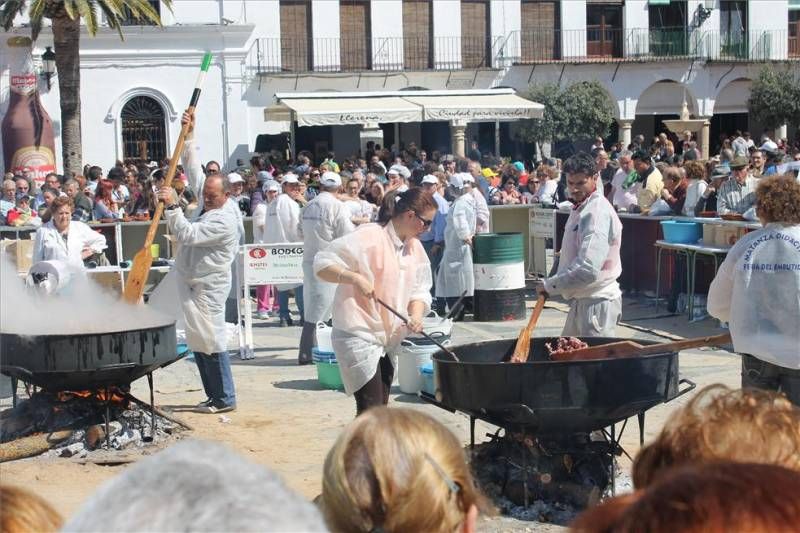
648,54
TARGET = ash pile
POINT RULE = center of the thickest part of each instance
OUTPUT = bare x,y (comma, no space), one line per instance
544,479
90,425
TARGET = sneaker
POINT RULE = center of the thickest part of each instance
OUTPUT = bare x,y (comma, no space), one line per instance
212,409
286,322
204,403
263,315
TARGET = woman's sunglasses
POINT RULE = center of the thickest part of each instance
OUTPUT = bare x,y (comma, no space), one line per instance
425,222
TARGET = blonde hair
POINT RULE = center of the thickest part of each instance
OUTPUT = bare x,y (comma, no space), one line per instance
397,470
720,424
22,511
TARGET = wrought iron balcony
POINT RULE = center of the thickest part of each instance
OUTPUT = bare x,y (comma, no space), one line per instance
526,47
353,54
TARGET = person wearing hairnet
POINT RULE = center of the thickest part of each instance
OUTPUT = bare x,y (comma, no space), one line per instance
757,291
382,261
283,227
481,207
455,276
589,263
324,219
264,293
397,177
206,250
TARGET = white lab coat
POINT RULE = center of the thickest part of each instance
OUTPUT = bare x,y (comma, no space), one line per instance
481,212
455,273
259,222
206,251
589,266
283,226
364,331
324,219
757,291
49,245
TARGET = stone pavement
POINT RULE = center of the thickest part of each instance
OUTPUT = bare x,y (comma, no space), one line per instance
287,421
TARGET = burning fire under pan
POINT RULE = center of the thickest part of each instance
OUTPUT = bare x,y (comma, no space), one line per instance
556,439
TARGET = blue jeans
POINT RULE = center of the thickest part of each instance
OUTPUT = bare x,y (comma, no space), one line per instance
215,373
283,302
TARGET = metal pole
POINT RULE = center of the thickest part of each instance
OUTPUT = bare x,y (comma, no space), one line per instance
152,407
108,418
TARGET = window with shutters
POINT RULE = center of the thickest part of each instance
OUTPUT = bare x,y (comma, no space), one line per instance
356,34
668,35
417,34
603,29
794,33
296,45
733,29
475,36
541,38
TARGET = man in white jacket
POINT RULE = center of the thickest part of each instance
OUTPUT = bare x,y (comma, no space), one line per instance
283,227
206,250
589,263
324,219
757,291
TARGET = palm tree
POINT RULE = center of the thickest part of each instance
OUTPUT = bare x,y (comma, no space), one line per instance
66,16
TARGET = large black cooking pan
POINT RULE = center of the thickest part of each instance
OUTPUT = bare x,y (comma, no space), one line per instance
550,397
88,361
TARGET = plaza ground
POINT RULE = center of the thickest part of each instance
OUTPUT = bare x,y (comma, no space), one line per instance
287,422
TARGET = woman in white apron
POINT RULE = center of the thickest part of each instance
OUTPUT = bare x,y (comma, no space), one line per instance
65,239
385,261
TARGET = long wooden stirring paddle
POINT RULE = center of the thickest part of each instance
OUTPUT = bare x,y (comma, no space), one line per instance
405,321
143,260
523,347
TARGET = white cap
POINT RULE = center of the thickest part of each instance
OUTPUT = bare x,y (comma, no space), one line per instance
235,177
467,177
457,181
290,178
400,170
330,179
429,178
769,146
272,185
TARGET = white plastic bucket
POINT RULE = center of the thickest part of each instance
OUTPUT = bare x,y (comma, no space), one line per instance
410,360
324,343
433,324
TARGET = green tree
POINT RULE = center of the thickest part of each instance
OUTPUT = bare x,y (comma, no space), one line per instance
775,98
65,16
577,112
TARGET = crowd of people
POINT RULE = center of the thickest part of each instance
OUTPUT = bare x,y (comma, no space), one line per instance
727,461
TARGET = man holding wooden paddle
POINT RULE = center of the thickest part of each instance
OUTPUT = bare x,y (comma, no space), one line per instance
589,263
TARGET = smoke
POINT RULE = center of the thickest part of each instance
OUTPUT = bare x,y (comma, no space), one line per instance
82,307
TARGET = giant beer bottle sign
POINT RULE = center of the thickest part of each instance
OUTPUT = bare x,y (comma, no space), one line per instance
28,141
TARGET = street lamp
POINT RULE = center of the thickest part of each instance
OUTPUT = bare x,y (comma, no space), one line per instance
48,64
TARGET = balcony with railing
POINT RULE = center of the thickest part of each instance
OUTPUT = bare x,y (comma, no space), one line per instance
354,54
526,47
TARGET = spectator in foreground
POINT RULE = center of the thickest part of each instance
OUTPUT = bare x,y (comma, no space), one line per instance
65,239
398,470
196,486
22,214
756,291
625,185
721,424
509,195
83,205
24,511
718,497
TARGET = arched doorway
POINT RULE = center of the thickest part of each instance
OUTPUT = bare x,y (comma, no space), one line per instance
144,135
